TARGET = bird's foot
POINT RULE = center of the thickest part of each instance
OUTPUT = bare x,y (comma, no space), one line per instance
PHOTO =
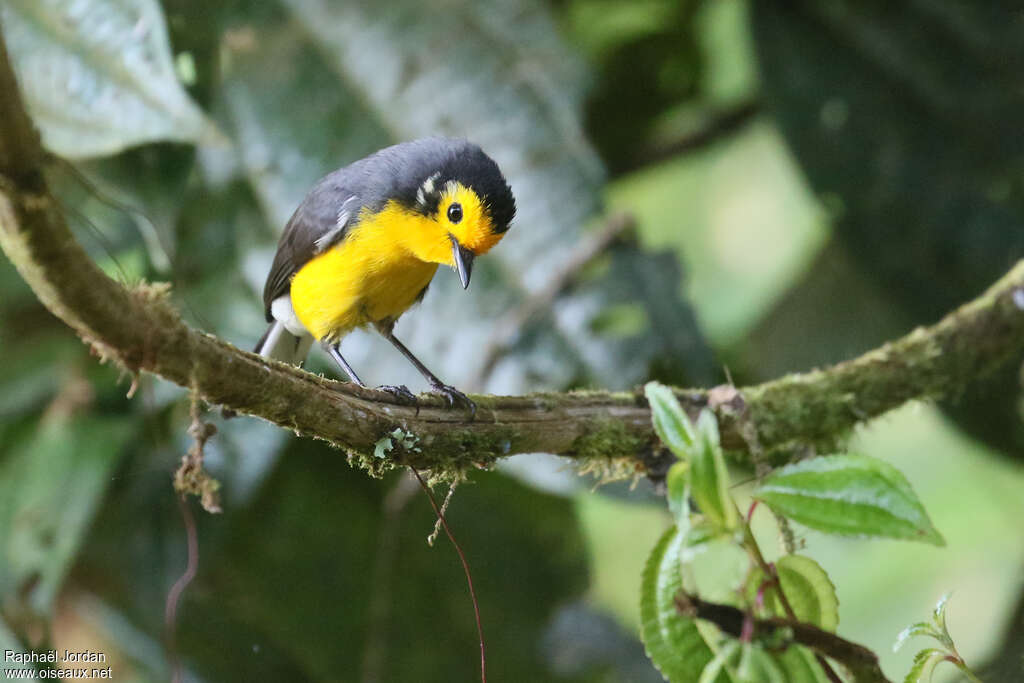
400,392
454,397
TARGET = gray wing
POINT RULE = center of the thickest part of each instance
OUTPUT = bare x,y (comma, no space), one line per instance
321,221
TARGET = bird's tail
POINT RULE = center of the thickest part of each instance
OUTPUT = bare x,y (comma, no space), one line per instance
280,344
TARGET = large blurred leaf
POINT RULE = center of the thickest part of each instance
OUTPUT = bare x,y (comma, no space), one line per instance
326,573
648,61
369,76
98,75
904,118
907,117
50,486
9,643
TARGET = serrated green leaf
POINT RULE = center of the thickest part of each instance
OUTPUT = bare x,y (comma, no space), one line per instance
709,477
98,76
672,641
678,493
923,668
671,422
851,495
807,588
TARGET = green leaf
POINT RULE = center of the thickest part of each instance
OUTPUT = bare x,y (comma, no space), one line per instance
921,628
923,668
709,477
807,588
9,643
672,641
671,422
851,495
50,486
757,666
715,669
939,617
677,483
936,628
697,539
98,76
800,665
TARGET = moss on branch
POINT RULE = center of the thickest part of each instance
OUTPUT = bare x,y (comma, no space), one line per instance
140,330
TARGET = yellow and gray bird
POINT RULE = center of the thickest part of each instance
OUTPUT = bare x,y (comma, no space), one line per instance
366,241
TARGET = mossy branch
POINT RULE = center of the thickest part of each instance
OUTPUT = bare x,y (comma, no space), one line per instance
139,329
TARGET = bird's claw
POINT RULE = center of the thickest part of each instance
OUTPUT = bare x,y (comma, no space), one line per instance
454,397
400,392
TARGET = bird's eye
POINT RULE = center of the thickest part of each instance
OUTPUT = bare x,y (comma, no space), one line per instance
455,212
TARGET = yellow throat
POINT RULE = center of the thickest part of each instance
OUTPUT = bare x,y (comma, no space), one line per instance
376,272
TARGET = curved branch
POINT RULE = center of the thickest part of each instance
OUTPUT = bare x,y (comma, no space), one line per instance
138,328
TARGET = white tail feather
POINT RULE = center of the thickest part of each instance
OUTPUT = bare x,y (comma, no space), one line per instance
280,344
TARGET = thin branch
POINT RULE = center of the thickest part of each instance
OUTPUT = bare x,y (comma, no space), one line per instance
465,568
140,330
178,589
860,661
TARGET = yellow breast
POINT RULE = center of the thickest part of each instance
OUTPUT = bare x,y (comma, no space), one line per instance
368,277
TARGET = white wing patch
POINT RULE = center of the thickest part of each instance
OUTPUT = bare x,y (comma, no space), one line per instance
329,237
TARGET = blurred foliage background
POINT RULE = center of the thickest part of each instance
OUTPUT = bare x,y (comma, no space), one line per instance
808,180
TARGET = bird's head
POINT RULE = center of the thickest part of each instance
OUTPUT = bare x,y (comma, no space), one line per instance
468,206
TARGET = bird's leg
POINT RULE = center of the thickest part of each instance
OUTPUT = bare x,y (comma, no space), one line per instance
402,392
334,350
450,393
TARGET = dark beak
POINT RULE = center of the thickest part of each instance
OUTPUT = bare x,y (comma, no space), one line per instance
463,261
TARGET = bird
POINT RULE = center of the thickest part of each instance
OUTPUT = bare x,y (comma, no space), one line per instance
365,243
